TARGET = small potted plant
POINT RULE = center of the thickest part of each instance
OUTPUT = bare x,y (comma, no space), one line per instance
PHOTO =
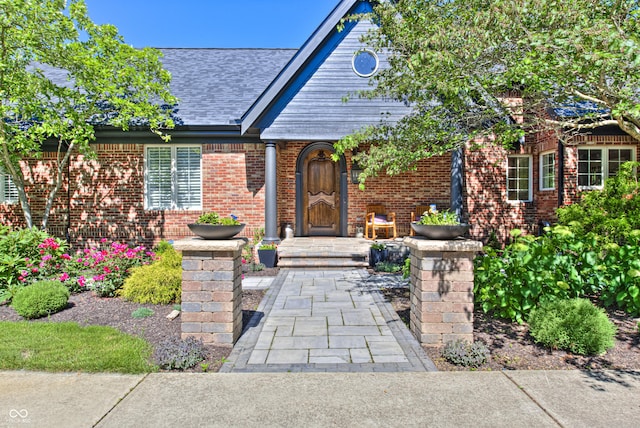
439,225
212,226
377,253
268,255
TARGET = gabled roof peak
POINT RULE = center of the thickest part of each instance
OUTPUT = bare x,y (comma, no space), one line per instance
299,60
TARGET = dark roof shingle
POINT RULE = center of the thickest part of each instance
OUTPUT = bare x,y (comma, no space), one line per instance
217,86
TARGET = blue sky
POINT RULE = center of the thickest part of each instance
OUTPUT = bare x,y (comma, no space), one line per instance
212,23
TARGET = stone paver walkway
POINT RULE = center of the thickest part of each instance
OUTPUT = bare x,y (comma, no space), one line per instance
326,320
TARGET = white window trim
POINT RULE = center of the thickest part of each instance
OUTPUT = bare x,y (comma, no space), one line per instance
173,148
542,155
530,184
605,161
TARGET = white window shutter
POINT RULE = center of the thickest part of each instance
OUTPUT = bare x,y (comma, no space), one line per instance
159,178
188,178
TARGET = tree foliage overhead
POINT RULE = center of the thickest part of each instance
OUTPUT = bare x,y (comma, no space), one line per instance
98,80
575,64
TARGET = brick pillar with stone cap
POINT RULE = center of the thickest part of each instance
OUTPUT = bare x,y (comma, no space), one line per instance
441,289
211,289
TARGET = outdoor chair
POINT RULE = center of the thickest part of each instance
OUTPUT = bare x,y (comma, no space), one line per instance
415,216
378,218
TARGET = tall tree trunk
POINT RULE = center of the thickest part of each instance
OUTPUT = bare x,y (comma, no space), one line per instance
17,177
62,162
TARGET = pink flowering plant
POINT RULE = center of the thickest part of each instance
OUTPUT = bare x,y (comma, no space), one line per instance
102,269
107,266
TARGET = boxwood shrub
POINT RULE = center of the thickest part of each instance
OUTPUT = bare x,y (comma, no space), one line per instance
41,299
574,325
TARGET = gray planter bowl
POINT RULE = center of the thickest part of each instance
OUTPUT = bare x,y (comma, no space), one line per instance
438,231
215,231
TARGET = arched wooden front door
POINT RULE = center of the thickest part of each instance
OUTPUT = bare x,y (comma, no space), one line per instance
321,195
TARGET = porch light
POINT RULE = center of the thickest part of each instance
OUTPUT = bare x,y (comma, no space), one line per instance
356,170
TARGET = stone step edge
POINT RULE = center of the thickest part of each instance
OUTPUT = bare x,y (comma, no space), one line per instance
320,262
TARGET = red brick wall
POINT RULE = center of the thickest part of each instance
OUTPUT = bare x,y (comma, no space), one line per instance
107,193
485,194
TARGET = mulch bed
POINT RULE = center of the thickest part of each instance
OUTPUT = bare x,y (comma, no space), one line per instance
510,344
512,348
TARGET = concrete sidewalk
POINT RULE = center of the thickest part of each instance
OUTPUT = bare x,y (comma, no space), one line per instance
443,399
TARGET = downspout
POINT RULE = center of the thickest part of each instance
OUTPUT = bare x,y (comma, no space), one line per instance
68,231
457,180
560,173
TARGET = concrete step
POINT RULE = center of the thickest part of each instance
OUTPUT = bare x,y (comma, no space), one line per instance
311,262
323,252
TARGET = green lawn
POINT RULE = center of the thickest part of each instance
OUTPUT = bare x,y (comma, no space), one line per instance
60,347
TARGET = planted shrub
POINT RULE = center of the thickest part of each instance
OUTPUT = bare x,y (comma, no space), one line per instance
406,268
159,283
465,353
21,252
388,267
610,214
179,354
574,325
41,299
510,283
162,247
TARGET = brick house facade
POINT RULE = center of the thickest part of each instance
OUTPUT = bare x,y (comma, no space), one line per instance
286,102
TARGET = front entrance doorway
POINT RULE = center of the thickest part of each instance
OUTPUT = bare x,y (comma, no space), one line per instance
321,193
321,202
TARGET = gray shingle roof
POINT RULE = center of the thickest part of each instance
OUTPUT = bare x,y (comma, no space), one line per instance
217,86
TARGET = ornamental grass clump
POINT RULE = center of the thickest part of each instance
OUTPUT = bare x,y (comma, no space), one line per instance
465,353
41,299
574,325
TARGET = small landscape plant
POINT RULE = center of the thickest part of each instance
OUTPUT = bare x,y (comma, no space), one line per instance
215,219
268,247
41,299
378,246
159,283
388,267
179,354
142,313
465,353
256,267
446,218
574,325
406,268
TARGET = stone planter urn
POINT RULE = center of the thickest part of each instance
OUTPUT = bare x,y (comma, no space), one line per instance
440,231
215,231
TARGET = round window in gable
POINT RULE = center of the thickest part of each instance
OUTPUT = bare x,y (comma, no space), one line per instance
365,63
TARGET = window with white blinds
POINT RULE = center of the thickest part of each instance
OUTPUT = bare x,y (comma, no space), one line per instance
8,190
173,177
